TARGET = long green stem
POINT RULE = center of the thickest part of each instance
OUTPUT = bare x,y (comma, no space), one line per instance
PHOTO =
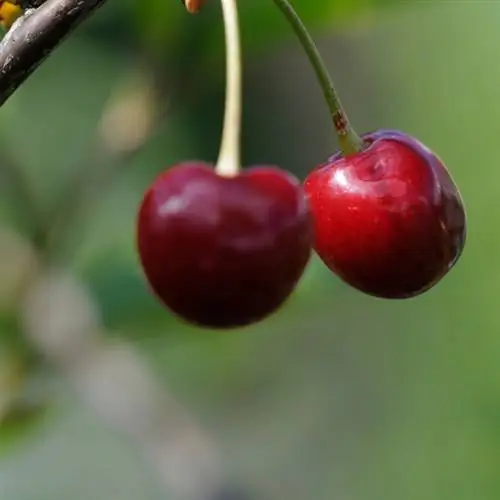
228,162
349,140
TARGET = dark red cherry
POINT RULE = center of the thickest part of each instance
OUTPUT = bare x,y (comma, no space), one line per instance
220,251
389,220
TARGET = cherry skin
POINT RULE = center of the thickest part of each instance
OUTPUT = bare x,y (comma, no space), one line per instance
388,220
224,252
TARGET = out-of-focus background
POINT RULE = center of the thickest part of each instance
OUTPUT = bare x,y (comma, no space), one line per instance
336,396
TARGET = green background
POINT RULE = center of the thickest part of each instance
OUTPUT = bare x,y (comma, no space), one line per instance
338,396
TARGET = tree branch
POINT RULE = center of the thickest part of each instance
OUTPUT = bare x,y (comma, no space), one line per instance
34,36
62,321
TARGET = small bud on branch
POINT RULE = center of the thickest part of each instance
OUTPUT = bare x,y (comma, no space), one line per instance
193,6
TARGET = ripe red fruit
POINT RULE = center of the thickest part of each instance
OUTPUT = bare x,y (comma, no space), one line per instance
222,251
389,220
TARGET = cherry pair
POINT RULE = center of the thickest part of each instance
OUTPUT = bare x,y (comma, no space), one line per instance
225,249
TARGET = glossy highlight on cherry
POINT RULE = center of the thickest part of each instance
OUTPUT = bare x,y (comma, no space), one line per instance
389,220
220,251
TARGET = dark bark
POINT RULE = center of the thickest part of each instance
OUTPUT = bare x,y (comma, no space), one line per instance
34,36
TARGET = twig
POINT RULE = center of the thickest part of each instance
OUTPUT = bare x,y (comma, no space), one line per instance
34,36
62,321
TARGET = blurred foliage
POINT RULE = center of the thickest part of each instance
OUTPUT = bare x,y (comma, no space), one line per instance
338,395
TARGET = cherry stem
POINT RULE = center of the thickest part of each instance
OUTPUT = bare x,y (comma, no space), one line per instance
349,140
228,162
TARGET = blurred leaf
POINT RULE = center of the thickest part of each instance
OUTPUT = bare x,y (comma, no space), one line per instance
20,423
24,396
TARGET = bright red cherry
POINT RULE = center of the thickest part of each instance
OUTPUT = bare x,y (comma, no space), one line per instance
223,251
388,220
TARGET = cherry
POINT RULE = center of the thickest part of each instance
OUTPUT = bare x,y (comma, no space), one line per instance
223,248
389,219
224,251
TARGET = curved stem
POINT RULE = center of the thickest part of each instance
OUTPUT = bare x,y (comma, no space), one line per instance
349,140
228,162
